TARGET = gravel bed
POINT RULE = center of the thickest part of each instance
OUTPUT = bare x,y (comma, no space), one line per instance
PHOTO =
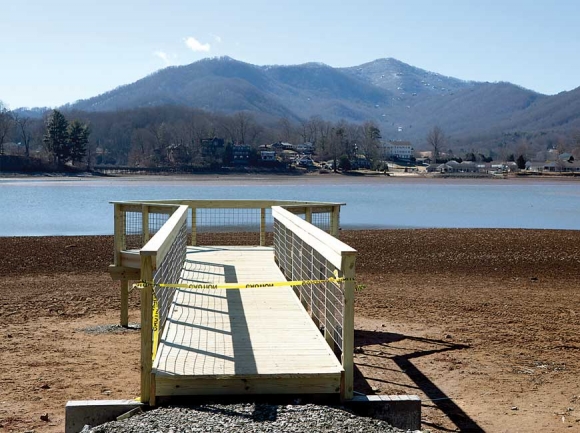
111,328
245,418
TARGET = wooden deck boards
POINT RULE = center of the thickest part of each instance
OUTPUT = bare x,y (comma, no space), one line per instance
262,334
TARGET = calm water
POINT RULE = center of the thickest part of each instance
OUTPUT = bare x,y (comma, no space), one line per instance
34,207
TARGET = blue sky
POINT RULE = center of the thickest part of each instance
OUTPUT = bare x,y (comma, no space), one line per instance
58,51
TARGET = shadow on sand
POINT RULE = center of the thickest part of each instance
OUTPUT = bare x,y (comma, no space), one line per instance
403,363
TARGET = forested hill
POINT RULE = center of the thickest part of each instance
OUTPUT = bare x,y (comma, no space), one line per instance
405,101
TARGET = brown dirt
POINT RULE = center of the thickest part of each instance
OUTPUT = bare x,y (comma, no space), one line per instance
484,325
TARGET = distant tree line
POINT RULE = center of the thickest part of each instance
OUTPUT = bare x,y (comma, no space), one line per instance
169,136
61,142
508,146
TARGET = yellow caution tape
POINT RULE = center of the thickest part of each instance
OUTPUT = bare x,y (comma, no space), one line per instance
143,284
155,302
155,326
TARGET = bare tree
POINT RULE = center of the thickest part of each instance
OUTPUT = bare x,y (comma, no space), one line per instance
6,123
23,125
241,128
371,142
523,148
242,124
576,145
287,130
436,139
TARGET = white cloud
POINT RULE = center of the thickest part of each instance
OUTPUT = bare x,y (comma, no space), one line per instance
195,45
217,38
163,56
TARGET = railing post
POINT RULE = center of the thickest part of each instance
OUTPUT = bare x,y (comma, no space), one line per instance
262,227
119,242
119,245
145,223
308,214
193,226
348,269
146,328
335,221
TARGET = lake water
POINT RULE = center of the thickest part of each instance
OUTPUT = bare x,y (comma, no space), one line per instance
80,206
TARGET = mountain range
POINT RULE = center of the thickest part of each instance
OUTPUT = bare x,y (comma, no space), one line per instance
404,100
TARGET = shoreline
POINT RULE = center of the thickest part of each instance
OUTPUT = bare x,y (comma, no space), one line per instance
345,229
282,178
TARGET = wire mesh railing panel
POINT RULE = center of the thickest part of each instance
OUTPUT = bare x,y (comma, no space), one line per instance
133,234
322,220
319,218
169,272
299,261
133,230
231,226
156,221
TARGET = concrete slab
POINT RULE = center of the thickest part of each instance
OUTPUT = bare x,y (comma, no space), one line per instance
79,413
401,411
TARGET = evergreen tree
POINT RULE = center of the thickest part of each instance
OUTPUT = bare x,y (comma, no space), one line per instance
344,163
78,140
470,157
521,162
56,137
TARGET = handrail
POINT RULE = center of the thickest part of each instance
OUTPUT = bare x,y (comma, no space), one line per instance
343,258
308,208
229,203
152,255
159,244
332,248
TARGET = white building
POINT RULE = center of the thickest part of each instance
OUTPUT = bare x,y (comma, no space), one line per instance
399,149
268,155
306,148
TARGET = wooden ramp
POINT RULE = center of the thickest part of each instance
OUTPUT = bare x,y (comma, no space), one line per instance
247,341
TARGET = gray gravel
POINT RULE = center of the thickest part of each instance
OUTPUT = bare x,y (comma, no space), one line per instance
111,329
245,418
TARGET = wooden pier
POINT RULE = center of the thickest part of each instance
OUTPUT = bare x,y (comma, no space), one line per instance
243,341
246,341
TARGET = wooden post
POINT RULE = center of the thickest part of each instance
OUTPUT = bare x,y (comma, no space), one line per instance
145,223
124,303
152,391
335,221
262,227
193,226
119,245
308,214
146,329
348,269
119,242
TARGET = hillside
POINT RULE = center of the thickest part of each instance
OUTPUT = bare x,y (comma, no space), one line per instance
404,100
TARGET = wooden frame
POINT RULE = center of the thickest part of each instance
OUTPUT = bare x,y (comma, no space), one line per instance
141,264
343,257
152,255
126,264
165,206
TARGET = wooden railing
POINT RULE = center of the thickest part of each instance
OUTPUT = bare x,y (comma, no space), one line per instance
200,223
146,231
133,226
304,252
153,258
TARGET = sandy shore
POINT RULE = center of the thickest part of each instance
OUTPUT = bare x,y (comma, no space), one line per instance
484,325
286,178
